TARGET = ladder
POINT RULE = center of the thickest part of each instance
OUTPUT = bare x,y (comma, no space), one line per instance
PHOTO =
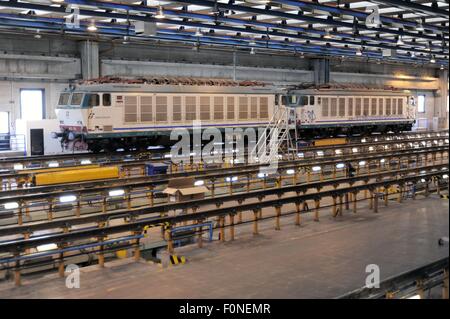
275,139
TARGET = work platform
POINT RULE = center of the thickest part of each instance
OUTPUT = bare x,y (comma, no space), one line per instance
323,259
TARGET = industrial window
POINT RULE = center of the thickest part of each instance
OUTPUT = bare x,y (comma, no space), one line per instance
341,106
380,106
32,105
218,108
358,106
161,109
76,99
253,108
400,106
388,106
373,107
243,108
191,108
106,99
146,109
176,108
421,104
350,107
130,109
205,108
325,107
366,106
263,108
230,108
311,100
333,110
93,100
64,99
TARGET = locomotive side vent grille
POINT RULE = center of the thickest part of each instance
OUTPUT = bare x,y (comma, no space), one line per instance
130,109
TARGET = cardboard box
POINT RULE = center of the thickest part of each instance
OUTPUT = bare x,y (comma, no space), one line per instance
183,189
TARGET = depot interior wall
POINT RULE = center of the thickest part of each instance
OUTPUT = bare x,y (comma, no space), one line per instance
52,63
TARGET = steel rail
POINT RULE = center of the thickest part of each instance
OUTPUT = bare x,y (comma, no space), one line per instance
211,174
132,161
231,170
238,197
137,226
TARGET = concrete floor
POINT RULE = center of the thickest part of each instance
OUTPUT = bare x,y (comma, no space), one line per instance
317,260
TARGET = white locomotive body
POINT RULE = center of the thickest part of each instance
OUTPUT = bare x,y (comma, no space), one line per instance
328,111
134,116
129,116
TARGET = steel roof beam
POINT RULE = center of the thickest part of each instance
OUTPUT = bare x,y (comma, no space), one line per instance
227,28
174,36
409,5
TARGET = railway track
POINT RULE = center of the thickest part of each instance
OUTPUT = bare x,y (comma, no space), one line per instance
66,160
44,200
137,166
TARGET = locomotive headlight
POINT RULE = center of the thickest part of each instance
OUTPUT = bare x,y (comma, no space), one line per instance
423,180
262,175
338,152
231,179
199,183
362,163
445,176
85,162
319,153
340,165
18,166
382,160
316,168
355,150
363,140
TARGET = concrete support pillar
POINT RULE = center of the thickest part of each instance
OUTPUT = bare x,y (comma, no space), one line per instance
440,107
321,69
90,63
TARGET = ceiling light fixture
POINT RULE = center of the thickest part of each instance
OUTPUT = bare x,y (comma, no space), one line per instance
358,52
432,60
37,35
198,33
400,41
252,51
92,27
160,13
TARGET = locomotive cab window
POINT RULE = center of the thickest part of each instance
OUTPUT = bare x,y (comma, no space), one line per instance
311,100
106,99
303,100
92,100
76,99
64,99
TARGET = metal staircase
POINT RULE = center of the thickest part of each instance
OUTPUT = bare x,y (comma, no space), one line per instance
275,139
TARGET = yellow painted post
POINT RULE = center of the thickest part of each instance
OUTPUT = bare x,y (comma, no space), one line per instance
316,210
101,256
386,196
231,227
355,195
17,275
222,228
200,234
50,209
420,290
297,215
169,240
334,206
150,196
213,187
277,218
375,204
255,221
19,216
371,199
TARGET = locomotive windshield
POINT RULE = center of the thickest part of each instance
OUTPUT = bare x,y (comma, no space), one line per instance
296,100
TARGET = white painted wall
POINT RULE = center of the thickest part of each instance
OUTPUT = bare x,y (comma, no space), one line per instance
10,98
